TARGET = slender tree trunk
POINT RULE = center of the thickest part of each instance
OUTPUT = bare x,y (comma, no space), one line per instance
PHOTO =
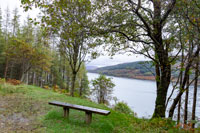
181,81
186,102
6,69
47,78
173,106
41,79
81,88
179,112
38,80
34,78
176,100
22,72
52,79
22,78
101,96
195,92
64,69
68,83
27,77
73,83
11,71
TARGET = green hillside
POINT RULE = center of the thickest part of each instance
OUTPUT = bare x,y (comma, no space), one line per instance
25,109
139,69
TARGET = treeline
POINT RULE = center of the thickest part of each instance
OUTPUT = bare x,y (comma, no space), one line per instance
31,55
138,69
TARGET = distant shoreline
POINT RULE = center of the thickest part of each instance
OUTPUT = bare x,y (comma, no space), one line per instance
137,77
149,78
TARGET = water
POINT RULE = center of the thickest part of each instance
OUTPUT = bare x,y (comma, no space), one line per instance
140,95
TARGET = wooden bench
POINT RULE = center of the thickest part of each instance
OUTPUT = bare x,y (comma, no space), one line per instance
88,110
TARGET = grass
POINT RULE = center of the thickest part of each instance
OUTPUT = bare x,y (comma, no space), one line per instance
31,103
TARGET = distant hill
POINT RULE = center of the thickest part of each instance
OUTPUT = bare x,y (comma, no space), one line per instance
138,70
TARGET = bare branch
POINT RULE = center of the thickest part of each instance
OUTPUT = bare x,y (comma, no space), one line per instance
170,8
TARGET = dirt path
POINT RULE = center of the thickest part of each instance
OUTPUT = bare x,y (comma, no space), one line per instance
20,114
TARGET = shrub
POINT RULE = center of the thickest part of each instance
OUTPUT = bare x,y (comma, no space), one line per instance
13,81
56,88
102,88
123,108
46,87
2,80
64,91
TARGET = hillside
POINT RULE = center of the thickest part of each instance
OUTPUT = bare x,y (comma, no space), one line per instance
25,108
138,70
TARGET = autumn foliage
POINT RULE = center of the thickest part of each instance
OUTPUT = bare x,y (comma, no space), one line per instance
13,81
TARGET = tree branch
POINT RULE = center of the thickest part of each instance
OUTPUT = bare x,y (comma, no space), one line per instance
170,8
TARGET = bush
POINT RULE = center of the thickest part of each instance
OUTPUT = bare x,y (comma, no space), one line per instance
46,87
123,108
56,88
13,81
2,80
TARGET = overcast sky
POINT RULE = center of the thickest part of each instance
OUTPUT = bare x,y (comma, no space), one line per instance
117,59
101,61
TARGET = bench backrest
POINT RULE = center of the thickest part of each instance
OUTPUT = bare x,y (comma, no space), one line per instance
79,107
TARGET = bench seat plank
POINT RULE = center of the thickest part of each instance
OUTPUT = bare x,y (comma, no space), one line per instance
79,107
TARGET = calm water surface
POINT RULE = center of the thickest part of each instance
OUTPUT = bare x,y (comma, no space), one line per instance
140,95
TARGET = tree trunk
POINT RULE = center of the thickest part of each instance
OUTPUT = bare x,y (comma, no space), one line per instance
81,89
179,111
176,100
68,83
6,69
195,92
47,78
163,76
11,71
163,67
190,61
181,82
22,77
41,79
27,78
73,83
160,107
186,102
101,96
34,78
64,70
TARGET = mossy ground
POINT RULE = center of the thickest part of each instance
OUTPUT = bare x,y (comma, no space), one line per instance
25,108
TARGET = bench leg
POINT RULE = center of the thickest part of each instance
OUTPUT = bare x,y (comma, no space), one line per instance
88,118
66,112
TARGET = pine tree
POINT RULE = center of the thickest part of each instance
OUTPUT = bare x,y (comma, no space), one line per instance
6,32
2,57
15,22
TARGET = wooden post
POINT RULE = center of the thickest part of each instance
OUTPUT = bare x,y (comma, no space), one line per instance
88,118
66,112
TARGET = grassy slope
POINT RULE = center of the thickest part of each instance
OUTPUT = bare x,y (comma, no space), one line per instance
32,104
